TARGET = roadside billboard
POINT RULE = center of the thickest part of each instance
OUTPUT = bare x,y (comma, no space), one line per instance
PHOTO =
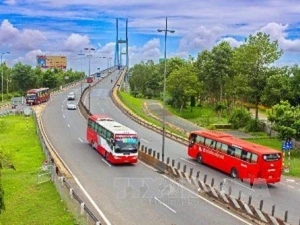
45,61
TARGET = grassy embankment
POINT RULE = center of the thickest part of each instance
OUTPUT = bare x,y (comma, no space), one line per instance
207,115
26,201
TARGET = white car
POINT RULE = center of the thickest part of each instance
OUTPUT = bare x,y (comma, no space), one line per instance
71,105
71,96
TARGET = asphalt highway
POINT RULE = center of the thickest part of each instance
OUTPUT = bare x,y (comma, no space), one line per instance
127,194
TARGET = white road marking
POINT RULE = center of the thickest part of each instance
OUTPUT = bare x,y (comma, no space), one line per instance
291,186
145,140
64,116
164,204
204,199
106,162
91,200
188,161
80,140
87,195
290,180
102,110
69,125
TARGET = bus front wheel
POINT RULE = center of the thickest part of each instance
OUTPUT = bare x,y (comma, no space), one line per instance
234,173
199,159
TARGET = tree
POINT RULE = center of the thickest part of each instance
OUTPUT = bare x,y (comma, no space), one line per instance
221,67
203,66
145,79
278,87
295,85
285,120
182,84
252,60
22,76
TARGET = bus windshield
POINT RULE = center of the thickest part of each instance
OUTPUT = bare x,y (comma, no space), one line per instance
126,144
31,96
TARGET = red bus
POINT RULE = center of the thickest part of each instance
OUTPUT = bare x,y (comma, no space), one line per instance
37,96
90,79
116,142
239,158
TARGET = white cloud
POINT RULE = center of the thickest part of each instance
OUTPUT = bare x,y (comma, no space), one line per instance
107,50
199,38
13,39
278,32
75,42
29,58
232,41
149,51
10,2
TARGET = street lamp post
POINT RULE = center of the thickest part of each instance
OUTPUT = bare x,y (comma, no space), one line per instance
80,55
164,90
2,73
108,63
89,55
101,57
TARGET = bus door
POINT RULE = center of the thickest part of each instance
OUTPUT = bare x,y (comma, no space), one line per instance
209,155
248,165
193,148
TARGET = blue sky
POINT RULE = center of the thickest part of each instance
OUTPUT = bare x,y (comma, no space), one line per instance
66,27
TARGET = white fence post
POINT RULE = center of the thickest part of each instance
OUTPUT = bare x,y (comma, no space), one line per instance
82,208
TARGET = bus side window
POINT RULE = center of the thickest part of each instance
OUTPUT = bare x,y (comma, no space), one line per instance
254,158
219,146
208,142
238,153
200,140
224,148
230,151
246,156
93,126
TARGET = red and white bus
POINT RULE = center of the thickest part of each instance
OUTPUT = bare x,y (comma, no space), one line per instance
116,142
239,158
90,79
37,96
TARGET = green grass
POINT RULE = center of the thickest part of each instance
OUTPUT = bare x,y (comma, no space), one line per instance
26,201
202,116
136,105
294,161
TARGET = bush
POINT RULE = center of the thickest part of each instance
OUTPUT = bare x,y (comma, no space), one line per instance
253,125
239,117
